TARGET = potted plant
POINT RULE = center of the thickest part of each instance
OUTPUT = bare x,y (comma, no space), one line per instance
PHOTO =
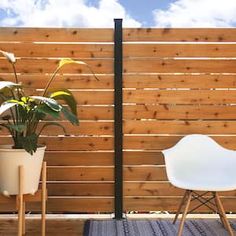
21,115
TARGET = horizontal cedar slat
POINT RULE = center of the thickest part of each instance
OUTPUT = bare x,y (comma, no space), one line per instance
131,173
187,112
180,34
179,50
61,81
59,50
143,158
92,112
71,143
80,189
163,142
179,81
80,174
67,205
159,189
99,158
178,66
95,112
79,158
149,188
55,34
84,128
41,66
180,96
91,204
179,127
169,204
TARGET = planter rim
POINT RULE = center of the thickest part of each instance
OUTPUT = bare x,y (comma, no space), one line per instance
8,148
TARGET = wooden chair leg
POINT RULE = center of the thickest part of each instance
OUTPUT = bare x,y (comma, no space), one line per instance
43,198
185,212
218,210
180,206
20,201
222,212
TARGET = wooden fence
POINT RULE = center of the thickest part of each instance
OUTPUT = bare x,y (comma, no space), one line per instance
176,82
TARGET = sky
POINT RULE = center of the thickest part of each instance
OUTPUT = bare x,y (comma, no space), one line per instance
135,13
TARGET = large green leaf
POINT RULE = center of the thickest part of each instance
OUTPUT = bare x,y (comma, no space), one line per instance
44,109
70,116
53,104
66,96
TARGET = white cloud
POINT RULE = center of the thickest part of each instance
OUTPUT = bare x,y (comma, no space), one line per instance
64,13
197,13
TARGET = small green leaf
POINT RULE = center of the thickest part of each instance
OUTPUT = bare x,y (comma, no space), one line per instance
18,128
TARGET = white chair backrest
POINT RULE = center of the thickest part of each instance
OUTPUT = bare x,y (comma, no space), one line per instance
196,155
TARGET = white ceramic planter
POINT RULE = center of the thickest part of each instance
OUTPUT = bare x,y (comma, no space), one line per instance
10,160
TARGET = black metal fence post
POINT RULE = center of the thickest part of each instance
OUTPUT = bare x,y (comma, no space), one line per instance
118,113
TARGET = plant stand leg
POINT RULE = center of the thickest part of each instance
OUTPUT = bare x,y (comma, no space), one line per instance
20,201
181,226
23,218
43,198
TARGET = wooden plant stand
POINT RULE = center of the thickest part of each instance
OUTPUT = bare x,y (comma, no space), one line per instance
21,199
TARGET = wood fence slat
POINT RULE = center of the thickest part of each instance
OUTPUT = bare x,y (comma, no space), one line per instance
143,158
100,158
178,34
169,204
95,112
72,143
163,142
154,65
186,112
79,158
42,66
39,81
179,127
131,173
55,35
180,96
83,50
84,128
179,81
162,189
179,50
80,189
80,174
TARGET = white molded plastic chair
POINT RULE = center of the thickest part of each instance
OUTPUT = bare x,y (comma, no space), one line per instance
198,163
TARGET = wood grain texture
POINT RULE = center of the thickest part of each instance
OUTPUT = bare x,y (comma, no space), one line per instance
179,50
200,81
215,97
72,50
55,35
154,65
186,112
179,35
179,127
